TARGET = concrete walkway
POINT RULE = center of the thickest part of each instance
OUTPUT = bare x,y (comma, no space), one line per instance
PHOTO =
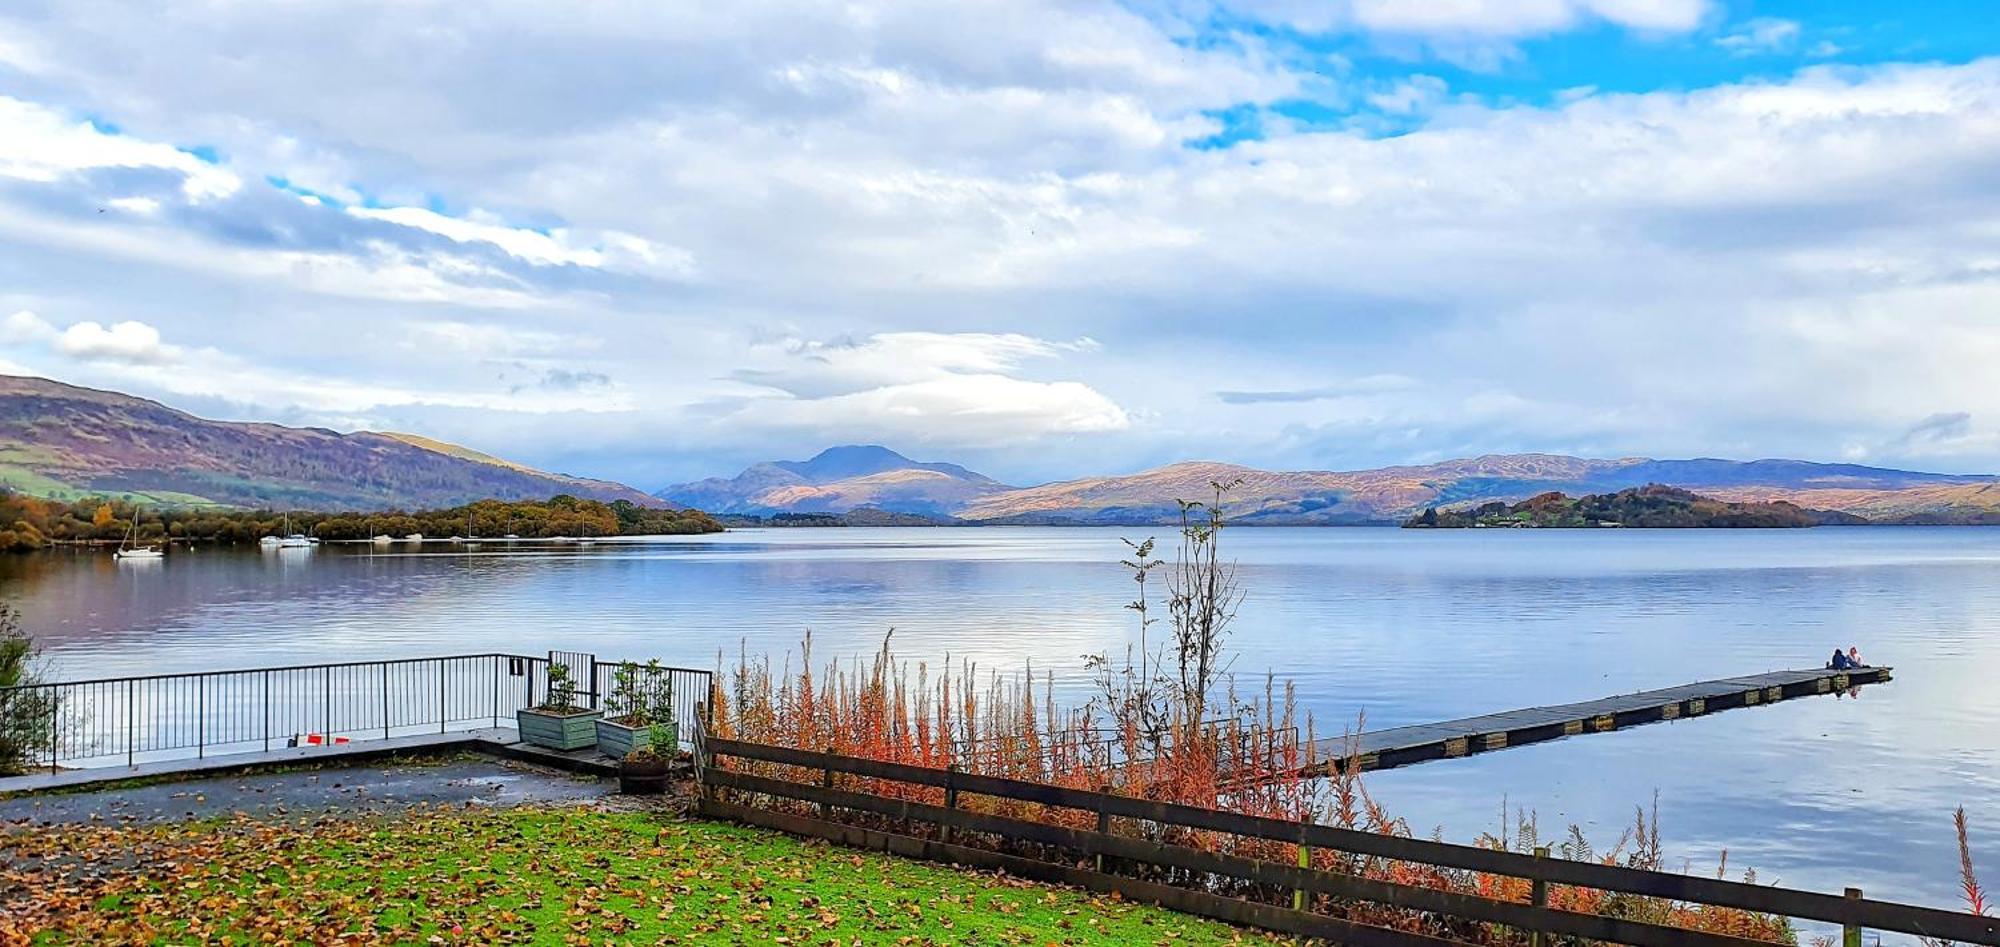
344,786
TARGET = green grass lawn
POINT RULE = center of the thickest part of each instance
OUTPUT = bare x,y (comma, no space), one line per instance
520,876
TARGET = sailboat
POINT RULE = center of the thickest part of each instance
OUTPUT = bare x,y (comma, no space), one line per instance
126,548
293,540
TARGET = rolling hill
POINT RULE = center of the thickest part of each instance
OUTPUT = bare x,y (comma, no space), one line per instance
1385,495
63,441
837,480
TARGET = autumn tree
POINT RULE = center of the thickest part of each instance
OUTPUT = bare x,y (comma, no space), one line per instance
24,711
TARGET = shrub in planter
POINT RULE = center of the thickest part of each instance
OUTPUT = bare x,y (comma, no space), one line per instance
642,705
643,772
559,722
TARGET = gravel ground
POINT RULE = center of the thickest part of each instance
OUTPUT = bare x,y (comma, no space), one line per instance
384,786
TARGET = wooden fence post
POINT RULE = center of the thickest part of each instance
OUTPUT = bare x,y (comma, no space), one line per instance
1538,895
1103,822
1305,861
826,782
1850,933
950,798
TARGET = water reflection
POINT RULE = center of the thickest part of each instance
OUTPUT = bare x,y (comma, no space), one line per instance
1403,626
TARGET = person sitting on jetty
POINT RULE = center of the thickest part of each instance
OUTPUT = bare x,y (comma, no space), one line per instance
1854,657
1840,662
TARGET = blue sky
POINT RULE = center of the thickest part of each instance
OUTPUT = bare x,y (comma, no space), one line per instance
659,241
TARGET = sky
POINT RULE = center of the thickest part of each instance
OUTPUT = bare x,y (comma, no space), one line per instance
656,241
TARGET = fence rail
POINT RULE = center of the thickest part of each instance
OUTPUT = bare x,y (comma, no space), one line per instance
106,721
1852,912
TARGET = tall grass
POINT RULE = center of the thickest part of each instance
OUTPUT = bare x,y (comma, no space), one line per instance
1168,723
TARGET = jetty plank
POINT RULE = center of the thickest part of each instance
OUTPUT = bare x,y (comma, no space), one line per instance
1417,743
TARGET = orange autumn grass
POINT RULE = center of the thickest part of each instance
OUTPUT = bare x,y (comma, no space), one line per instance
1248,762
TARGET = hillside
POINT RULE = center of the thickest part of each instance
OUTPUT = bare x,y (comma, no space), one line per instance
1320,497
838,480
1648,507
63,441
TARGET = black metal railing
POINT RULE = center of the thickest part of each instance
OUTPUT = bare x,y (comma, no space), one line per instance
133,719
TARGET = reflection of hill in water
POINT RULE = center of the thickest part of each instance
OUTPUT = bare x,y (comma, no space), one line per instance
1408,626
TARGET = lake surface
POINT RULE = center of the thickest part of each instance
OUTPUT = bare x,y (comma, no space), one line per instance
1405,626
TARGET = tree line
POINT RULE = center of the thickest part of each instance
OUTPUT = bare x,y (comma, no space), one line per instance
34,522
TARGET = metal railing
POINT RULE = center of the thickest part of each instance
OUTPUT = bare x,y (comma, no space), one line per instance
128,720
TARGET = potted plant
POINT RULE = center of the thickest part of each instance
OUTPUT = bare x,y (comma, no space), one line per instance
643,772
559,722
642,705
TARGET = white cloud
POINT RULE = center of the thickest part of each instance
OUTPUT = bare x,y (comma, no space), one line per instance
1499,20
128,341
1762,35
935,387
542,248
855,172
491,341
1517,18
24,326
134,205
40,144
1410,96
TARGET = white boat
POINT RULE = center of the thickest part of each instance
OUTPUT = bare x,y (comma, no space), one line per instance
127,551
382,539
291,540
414,538
268,541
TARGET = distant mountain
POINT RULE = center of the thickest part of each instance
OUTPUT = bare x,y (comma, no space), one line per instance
1379,496
838,480
63,441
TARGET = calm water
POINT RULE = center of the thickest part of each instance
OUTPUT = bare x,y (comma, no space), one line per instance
1405,626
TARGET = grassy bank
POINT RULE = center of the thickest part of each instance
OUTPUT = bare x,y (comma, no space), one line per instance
525,876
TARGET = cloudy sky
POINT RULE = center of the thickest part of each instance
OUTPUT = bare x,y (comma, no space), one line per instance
653,241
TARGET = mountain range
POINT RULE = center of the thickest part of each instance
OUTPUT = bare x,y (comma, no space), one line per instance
63,441
845,479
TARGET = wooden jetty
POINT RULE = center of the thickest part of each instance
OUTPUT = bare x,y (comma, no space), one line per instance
1402,746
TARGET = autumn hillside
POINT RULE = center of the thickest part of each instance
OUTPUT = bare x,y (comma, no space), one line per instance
64,442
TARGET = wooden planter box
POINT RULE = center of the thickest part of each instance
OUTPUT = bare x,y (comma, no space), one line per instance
615,739
571,731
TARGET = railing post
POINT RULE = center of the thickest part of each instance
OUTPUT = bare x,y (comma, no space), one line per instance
385,700
1538,895
950,798
200,716
1850,933
267,710
496,692
442,703
131,734
55,755
326,706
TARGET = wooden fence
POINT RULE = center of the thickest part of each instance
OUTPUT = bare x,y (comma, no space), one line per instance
1852,912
